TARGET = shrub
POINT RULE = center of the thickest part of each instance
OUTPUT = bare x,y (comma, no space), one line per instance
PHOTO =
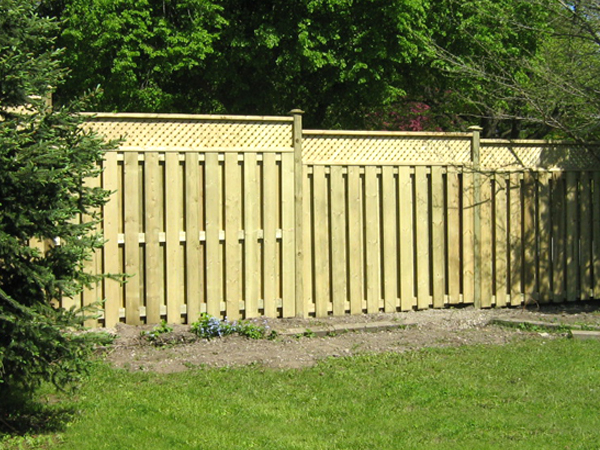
45,156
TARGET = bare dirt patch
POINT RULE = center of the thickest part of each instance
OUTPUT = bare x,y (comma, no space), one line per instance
180,349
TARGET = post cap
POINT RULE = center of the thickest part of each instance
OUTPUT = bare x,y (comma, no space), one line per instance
475,128
296,111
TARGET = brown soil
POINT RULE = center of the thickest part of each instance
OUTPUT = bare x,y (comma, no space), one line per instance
180,349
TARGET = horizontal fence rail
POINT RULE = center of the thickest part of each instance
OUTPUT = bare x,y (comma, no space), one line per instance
249,216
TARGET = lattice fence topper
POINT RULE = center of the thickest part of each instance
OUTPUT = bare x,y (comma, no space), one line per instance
194,132
380,147
185,132
500,154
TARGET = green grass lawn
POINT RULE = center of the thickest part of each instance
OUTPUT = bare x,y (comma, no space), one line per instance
533,394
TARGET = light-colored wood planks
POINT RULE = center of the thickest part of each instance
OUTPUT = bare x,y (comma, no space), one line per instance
233,254
572,236
249,192
212,202
112,289
585,257
339,292
407,244
438,256
372,236
194,263
545,237
390,236
530,251
422,244
92,295
516,243
292,239
215,231
486,243
501,239
321,241
355,241
132,230
453,241
558,237
269,256
154,216
468,237
596,233
173,217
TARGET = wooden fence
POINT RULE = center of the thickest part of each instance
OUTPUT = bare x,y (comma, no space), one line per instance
250,216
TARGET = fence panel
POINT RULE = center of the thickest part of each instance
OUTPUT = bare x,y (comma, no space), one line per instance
204,217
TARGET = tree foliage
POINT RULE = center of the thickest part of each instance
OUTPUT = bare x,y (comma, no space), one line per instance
543,84
337,59
521,68
45,156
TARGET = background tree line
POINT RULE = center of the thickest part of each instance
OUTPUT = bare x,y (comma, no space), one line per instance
521,68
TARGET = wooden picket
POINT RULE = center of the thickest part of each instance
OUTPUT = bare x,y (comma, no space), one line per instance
250,216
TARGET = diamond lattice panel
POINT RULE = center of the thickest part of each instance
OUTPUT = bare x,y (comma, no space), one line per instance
197,134
536,156
386,149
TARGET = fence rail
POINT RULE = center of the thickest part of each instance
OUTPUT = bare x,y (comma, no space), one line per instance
249,216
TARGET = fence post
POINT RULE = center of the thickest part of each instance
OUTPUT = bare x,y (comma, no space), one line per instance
298,213
476,162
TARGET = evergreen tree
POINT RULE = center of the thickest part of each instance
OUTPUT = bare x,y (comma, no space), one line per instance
45,156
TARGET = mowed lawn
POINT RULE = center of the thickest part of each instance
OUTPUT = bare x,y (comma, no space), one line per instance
532,394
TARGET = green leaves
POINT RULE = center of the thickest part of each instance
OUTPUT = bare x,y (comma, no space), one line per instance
45,156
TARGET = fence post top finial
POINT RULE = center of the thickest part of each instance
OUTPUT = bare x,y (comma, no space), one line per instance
475,128
296,111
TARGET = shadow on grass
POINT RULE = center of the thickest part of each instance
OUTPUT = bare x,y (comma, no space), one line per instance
23,415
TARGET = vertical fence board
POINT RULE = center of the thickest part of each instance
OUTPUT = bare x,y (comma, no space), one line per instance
468,249
390,233
596,234
558,229
212,207
269,210
572,237
423,245
321,242
132,238
355,241
233,215
485,244
111,214
437,237
405,213
153,226
530,254
372,244
545,237
173,214
308,261
453,269
516,246
193,258
338,241
251,226
585,257
93,294
288,270
501,241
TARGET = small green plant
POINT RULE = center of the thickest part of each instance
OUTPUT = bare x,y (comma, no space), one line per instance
208,327
309,333
162,328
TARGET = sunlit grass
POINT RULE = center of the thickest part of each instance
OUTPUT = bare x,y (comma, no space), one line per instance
531,394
